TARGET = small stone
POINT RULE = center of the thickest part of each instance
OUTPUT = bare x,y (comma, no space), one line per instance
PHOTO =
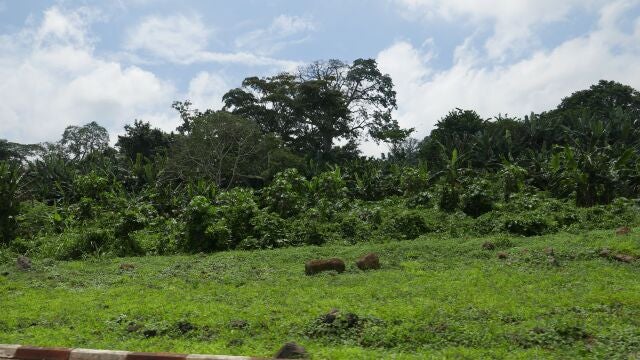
370,261
291,350
549,251
502,255
23,263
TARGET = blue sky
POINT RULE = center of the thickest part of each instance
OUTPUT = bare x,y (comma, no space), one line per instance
71,62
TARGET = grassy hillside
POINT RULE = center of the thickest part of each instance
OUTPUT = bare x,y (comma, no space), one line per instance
433,297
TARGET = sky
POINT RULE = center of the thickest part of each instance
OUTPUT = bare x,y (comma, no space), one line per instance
113,61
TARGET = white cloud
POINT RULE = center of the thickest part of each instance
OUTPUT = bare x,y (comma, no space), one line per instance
535,83
283,31
512,22
175,38
184,40
206,90
52,78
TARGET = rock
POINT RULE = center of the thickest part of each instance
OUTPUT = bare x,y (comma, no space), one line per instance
488,245
291,350
553,261
315,266
623,258
549,251
623,230
368,262
23,263
502,255
127,266
605,253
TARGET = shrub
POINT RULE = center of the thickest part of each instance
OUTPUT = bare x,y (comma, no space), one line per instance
9,204
201,233
414,180
329,185
530,224
286,195
449,198
270,232
407,224
238,207
90,242
353,228
477,199
91,185
308,230
422,199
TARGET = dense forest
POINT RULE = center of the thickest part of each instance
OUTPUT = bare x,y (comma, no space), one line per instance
279,165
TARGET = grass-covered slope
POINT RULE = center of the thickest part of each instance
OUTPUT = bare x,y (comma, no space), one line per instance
433,297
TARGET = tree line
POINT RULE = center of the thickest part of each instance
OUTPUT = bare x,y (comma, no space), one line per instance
279,134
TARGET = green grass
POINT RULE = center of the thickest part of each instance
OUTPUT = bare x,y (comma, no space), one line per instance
433,298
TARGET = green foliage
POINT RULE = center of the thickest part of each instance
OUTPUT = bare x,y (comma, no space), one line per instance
10,178
90,186
477,198
204,232
287,193
407,224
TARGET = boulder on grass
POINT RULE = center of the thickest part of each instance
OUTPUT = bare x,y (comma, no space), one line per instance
291,350
312,267
371,261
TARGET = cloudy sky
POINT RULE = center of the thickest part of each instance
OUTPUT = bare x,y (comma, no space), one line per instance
72,62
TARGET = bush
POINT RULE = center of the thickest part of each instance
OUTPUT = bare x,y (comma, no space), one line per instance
422,199
238,207
449,198
9,204
89,242
286,195
270,232
308,230
530,224
329,185
201,232
477,199
91,185
407,224
354,229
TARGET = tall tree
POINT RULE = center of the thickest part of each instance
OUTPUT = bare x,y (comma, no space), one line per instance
141,138
220,147
320,104
80,141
